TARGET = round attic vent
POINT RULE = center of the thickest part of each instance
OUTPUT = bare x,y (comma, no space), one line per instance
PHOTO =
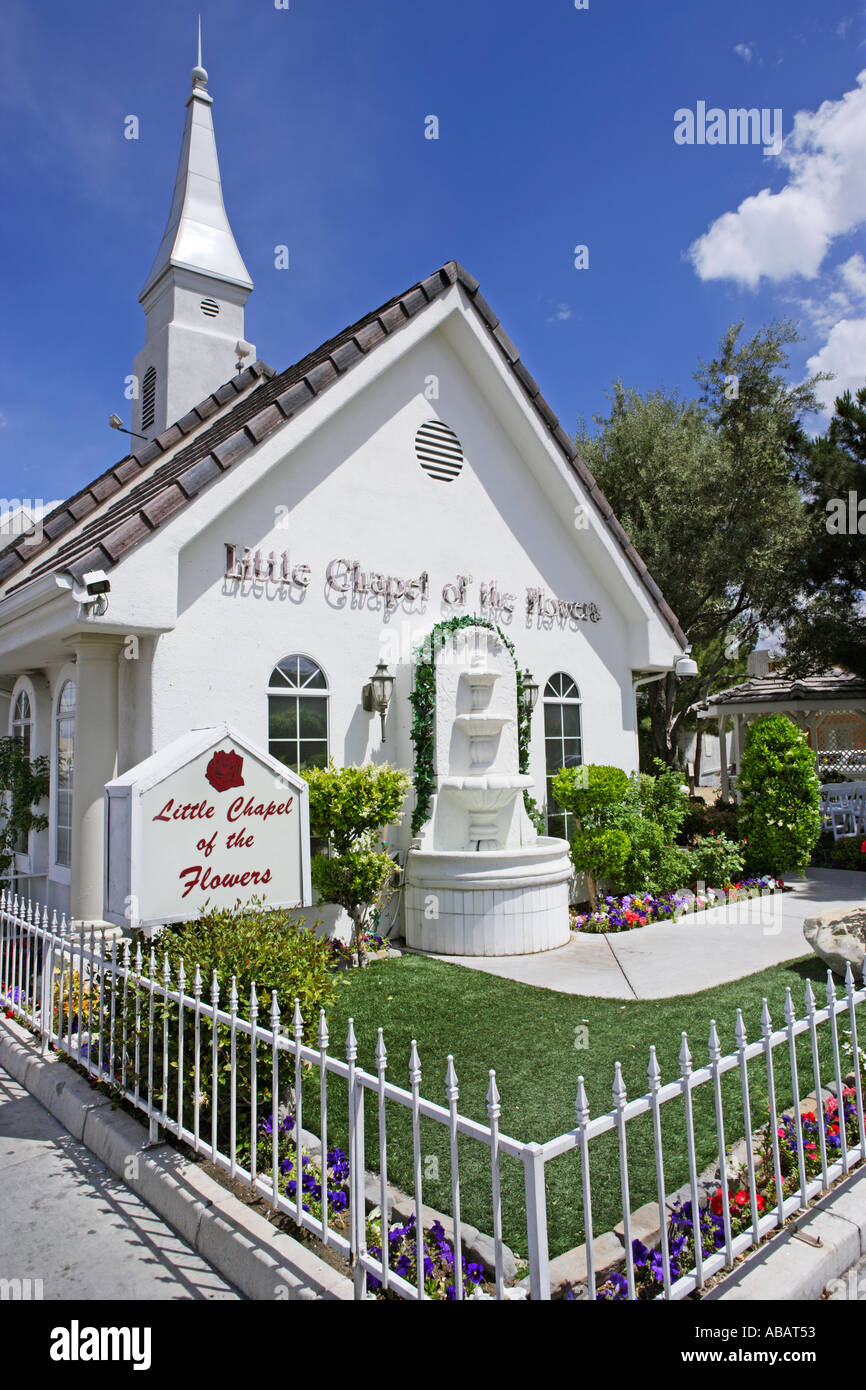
439,451
210,308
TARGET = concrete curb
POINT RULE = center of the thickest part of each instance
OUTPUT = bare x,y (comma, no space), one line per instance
262,1262
796,1270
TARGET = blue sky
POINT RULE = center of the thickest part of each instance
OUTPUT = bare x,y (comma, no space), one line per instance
556,129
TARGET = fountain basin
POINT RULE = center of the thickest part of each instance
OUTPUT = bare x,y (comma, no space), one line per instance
492,903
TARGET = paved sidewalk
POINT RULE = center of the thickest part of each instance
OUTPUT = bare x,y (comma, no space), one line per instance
69,1222
699,951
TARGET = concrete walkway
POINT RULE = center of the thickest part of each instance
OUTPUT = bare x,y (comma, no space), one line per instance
699,951
69,1222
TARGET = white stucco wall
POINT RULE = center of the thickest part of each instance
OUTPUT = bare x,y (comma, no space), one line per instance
355,491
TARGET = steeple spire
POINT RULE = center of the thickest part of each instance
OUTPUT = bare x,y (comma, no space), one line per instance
195,291
198,235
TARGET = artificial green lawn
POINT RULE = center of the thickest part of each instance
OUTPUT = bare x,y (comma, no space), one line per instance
528,1035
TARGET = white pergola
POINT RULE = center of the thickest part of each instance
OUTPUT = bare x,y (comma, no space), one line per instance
807,703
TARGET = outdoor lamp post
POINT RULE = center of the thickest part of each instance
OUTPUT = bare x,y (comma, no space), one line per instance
530,691
377,692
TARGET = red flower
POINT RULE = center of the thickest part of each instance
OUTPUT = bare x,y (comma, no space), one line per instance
716,1203
224,770
808,1115
740,1199
863,847
759,1201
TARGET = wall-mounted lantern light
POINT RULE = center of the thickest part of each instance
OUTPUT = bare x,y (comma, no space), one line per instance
377,693
530,691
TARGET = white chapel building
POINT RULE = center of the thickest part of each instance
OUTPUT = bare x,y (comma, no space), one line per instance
277,535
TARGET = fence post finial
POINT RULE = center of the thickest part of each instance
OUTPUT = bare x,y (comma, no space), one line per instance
581,1104
619,1092
715,1045
766,1022
790,1011
297,1022
740,1030
685,1056
810,998
351,1042
381,1053
494,1110
451,1091
654,1071
323,1031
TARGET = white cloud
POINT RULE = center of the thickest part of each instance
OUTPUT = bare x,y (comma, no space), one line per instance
562,312
853,273
789,233
841,293
843,354
744,51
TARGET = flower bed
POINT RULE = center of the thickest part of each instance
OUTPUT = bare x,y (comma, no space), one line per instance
642,909
681,1237
633,910
331,1187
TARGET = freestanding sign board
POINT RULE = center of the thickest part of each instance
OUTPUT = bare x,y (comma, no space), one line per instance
207,820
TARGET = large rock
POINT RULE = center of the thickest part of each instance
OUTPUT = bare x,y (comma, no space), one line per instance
839,938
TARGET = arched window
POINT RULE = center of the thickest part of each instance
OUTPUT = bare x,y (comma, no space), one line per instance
64,757
298,713
22,727
148,398
22,720
562,744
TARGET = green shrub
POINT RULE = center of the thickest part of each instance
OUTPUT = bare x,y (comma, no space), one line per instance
663,800
589,788
600,853
780,792
588,791
23,784
350,807
701,819
849,852
716,861
249,944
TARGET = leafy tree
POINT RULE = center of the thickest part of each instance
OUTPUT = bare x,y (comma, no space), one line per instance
23,784
828,627
349,807
588,791
707,491
779,815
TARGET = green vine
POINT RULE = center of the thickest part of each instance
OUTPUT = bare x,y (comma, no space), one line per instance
423,702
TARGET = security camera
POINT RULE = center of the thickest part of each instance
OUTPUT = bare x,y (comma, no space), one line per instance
96,582
90,593
243,348
684,666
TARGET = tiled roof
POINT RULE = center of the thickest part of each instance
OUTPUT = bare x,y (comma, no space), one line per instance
779,689
277,398
67,515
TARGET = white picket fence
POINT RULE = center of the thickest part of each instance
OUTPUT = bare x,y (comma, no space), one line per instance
151,1038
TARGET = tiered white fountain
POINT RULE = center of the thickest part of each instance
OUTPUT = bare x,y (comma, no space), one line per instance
480,880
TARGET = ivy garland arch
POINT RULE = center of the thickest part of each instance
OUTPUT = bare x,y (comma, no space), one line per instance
423,702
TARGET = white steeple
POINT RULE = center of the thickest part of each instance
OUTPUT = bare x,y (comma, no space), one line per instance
194,295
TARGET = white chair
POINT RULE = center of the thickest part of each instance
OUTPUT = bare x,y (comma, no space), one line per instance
847,815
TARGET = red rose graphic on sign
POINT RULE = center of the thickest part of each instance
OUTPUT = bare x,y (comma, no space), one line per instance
225,770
